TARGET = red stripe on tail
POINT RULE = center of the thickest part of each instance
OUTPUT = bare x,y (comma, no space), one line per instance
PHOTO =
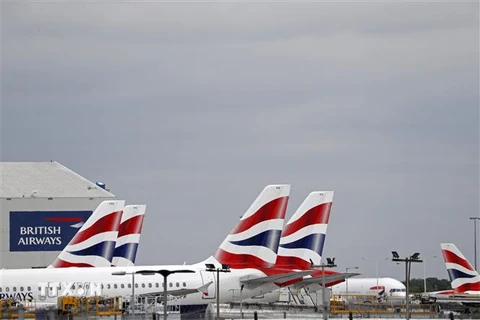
131,226
107,223
451,257
317,215
274,209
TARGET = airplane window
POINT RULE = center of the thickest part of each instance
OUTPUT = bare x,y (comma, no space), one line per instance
143,285
7,289
157,285
136,285
14,289
21,288
39,289
178,284
29,288
122,286
115,286
170,284
149,284
0,289
184,284
129,286
108,286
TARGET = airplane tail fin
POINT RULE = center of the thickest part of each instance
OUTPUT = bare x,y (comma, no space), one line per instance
94,243
303,237
129,235
254,241
464,278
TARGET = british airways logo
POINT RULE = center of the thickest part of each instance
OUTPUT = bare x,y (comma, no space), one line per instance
44,230
17,296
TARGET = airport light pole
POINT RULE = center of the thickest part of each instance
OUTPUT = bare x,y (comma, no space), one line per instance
425,273
132,299
408,263
211,268
165,273
241,300
346,282
330,263
475,239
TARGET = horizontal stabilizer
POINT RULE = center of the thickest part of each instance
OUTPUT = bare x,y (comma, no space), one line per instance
329,278
204,289
283,277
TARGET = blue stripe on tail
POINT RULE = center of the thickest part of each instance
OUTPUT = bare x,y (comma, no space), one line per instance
127,251
103,249
455,274
269,239
312,242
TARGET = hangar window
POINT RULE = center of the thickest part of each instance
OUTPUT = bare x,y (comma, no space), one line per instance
122,286
149,284
29,288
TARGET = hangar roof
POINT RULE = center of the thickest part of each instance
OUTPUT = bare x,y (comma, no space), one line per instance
45,180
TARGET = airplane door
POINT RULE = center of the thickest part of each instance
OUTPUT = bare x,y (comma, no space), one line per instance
206,278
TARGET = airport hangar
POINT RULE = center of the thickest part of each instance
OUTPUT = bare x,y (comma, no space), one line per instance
43,205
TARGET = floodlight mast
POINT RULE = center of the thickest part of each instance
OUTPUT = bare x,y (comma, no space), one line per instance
330,263
165,274
408,263
132,298
211,268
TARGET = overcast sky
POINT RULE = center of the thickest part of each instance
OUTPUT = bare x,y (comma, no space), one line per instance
192,108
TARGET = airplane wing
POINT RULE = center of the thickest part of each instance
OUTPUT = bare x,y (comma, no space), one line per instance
180,292
283,277
328,278
457,297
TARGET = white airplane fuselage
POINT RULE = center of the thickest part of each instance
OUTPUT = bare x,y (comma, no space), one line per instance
392,288
24,284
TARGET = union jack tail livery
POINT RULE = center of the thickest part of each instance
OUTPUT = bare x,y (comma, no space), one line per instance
129,236
464,278
254,241
304,234
94,243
